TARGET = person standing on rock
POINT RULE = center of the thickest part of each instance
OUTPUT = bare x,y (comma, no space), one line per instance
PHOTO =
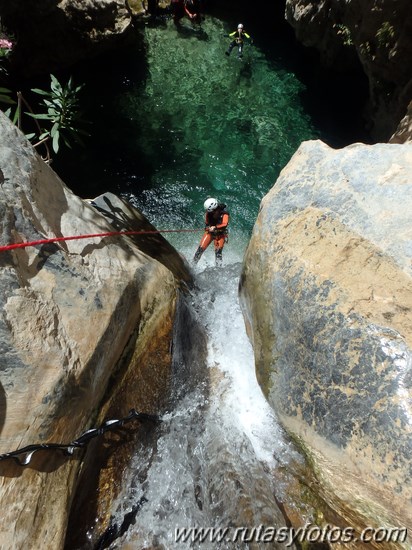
192,9
216,229
151,7
177,8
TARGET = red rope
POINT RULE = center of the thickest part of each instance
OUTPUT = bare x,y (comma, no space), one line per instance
92,236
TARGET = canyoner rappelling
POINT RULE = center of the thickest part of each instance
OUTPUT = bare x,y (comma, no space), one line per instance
216,229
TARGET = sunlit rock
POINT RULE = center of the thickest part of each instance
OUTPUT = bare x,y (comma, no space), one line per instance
327,295
404,130
85,326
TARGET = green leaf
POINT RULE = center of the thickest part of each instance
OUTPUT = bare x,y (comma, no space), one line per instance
15,116
55,85
56,142
60,111
41,92
7,99
30,136
39,116
54,129
67,142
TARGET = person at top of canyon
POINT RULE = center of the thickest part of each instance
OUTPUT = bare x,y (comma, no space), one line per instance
216,229
177,8
193,10
150,7
190,8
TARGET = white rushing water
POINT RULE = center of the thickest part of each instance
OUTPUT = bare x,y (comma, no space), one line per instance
217,446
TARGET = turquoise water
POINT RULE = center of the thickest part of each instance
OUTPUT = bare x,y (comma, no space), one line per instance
210,125
189,123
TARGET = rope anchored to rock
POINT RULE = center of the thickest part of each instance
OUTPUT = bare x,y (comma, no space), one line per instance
93,236
23,456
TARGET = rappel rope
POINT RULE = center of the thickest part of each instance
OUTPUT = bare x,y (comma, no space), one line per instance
94,236
24,455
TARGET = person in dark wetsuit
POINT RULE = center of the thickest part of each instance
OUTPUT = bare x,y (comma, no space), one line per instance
216,222
151,7
238,39
193,10
178,10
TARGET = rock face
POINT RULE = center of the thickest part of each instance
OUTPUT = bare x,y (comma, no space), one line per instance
51,34
73,314
379,33
123,217
404,130
326,291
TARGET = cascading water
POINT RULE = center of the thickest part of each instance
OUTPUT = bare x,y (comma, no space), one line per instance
217,449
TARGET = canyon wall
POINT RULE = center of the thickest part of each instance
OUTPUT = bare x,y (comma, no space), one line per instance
85,334
375,33
326,291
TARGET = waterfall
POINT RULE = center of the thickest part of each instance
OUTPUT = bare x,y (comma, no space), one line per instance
214,457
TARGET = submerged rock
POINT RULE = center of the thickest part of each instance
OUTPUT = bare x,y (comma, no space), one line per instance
85,326
327,294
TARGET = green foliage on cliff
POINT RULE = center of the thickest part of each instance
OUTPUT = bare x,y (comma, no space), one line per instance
61,113
5,96
385,35
344,32
58,118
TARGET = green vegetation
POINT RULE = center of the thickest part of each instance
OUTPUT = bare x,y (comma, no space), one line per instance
59,119
365,49
62,113
5,96
385,35
344,32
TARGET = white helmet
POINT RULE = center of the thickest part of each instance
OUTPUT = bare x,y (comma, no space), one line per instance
240,26
210,205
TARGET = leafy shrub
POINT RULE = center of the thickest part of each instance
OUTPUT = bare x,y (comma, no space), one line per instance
62,113
385,35
59,119
344,32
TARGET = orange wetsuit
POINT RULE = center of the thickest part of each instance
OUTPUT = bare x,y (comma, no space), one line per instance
216,223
